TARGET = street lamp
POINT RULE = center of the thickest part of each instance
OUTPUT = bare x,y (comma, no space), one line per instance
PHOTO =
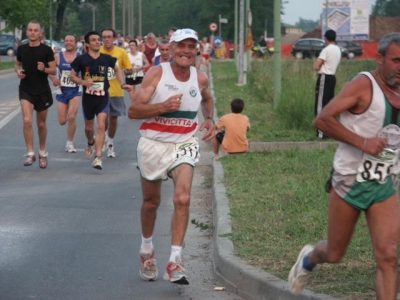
93,7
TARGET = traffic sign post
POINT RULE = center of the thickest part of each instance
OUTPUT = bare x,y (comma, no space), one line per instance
213,27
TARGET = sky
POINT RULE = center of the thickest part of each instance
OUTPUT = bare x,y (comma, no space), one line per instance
296,9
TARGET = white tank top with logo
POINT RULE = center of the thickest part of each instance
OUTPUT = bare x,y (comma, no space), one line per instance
181,125
375,121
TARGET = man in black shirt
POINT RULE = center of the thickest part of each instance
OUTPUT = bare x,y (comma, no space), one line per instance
35,61
93,67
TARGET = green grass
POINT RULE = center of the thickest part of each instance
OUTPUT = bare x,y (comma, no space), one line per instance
7,65
277,198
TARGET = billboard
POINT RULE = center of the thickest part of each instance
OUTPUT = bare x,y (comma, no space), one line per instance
349,18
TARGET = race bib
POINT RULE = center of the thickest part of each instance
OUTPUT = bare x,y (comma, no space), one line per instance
385,163
377,167
65,79
190,149
96,89
111,73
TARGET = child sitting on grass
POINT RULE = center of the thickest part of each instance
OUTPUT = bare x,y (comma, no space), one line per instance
232,129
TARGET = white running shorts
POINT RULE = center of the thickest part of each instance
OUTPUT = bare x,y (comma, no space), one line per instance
156,159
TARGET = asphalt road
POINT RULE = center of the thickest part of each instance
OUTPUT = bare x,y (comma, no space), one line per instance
73,232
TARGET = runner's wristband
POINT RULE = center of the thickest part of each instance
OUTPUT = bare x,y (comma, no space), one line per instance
209,118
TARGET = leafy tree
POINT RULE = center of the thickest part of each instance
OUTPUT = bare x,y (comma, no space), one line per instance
17,14
307,25
72,25
386,8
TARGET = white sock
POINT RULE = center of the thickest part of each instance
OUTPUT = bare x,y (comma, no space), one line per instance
42,152
147,245
110,141
31,153
69,143
176,251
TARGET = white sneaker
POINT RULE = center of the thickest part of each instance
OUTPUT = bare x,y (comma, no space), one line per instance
89,151
97,163
298,276
105,144
70,148
110,152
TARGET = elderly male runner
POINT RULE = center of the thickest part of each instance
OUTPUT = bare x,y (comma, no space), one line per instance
365,171
168,101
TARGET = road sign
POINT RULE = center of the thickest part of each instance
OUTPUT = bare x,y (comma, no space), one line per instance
223,20
217,41
213,27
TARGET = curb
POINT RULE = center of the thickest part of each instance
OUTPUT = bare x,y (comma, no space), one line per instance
244,280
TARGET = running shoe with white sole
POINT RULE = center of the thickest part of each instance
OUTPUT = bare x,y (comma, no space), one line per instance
148,266
298,276
105,144
43,161
176,272
97,163
89,151
29,160
70,148
111,152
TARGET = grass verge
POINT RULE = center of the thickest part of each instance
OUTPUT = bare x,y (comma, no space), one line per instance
7,65
277,199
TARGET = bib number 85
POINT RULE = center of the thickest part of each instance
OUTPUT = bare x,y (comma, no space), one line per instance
374,170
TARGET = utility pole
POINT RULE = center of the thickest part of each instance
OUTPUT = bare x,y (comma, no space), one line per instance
113,14
123,17
140,17
236,31
241,43
277,53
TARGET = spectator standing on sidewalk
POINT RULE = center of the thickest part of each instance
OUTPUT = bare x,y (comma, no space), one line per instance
365,171
232,129
68,93
326,66
35,61
168,102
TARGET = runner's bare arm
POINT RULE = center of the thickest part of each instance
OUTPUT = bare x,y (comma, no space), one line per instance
355,97
140,107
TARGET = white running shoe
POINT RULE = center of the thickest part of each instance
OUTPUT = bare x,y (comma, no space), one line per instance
97,163
70,148
105,144
148,266
111,152
298,276
89,151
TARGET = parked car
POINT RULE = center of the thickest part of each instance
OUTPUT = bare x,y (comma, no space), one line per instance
8,44
54,45
311,47
353,48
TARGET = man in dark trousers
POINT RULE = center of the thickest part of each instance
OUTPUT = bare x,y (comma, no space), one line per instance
326,65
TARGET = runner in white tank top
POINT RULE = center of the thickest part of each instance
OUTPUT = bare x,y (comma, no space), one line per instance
168,102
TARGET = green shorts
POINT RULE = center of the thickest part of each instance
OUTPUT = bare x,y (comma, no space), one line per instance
361,195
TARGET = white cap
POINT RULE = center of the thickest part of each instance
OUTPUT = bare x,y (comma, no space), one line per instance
183,34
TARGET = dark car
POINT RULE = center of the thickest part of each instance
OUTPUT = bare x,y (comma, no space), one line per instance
353,48
55,45
304,48
8,44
